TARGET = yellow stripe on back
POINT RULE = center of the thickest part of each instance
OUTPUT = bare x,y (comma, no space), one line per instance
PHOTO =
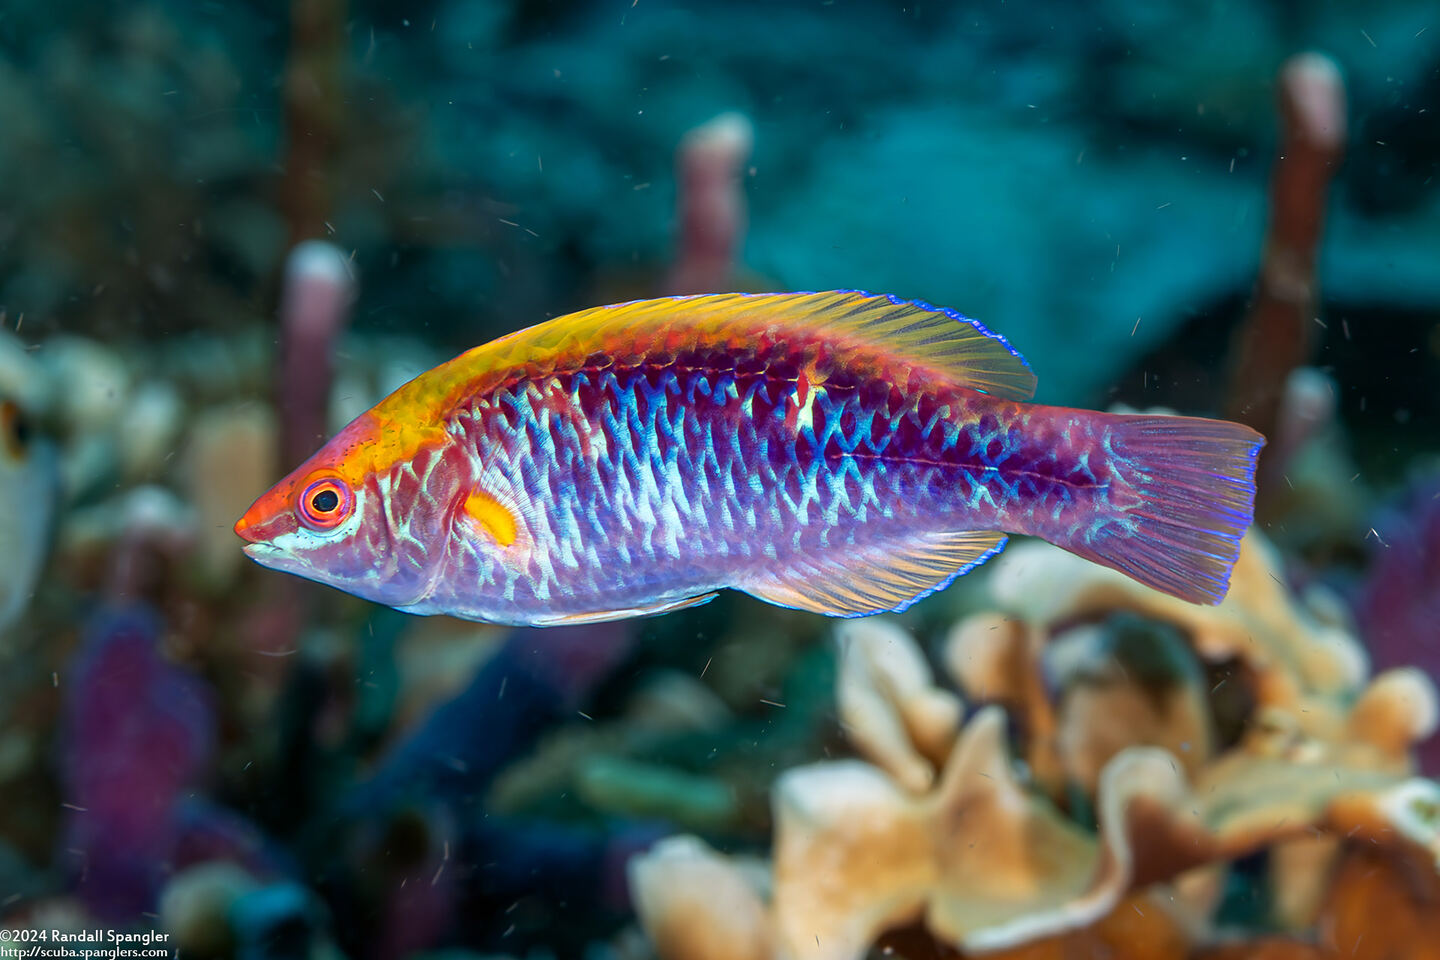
907,331
875,332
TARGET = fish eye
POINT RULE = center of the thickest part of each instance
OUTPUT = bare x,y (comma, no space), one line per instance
325,503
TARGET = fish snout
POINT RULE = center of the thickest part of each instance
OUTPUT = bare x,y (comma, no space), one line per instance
266,519
260,529
245,529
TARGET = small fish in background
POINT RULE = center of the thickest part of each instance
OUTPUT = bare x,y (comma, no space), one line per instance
836,452
29,478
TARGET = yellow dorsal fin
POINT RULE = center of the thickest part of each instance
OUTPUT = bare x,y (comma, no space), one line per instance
908,330
868,327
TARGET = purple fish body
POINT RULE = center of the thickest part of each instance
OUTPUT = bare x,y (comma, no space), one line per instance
833,452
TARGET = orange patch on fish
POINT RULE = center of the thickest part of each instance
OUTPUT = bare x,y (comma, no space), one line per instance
800,413
492,516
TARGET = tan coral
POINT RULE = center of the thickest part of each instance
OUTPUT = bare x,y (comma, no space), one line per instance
1153,828
1258,623
853,857
1377,731
1288,761
995,658
1396,711
1104,706
696,904
984,862
1010,867
988,865
856,855
1299,663
1299,870
1121,689
1313,751
892,710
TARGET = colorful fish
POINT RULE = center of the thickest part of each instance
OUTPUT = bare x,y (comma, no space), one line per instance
836,452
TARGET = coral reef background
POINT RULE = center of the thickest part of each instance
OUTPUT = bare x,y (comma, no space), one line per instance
226,229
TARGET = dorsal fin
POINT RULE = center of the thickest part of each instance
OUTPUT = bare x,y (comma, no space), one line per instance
909,330
885,328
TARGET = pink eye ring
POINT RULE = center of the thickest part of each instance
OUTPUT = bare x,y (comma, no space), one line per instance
324,504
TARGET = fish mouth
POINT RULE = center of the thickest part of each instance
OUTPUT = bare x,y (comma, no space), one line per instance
269,555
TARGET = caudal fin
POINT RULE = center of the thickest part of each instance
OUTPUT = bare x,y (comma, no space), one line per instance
1195,484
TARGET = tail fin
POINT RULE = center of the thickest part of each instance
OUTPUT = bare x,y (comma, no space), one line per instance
1195,483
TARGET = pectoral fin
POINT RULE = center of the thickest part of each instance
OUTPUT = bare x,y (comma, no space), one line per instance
488,516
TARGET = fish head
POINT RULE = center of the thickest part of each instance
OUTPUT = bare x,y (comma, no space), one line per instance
369,513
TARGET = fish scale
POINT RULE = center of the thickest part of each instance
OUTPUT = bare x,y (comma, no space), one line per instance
905,459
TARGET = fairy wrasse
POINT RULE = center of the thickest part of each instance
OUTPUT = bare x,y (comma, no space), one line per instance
838,452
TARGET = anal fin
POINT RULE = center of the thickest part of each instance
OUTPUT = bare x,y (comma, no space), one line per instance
622,613
884,576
